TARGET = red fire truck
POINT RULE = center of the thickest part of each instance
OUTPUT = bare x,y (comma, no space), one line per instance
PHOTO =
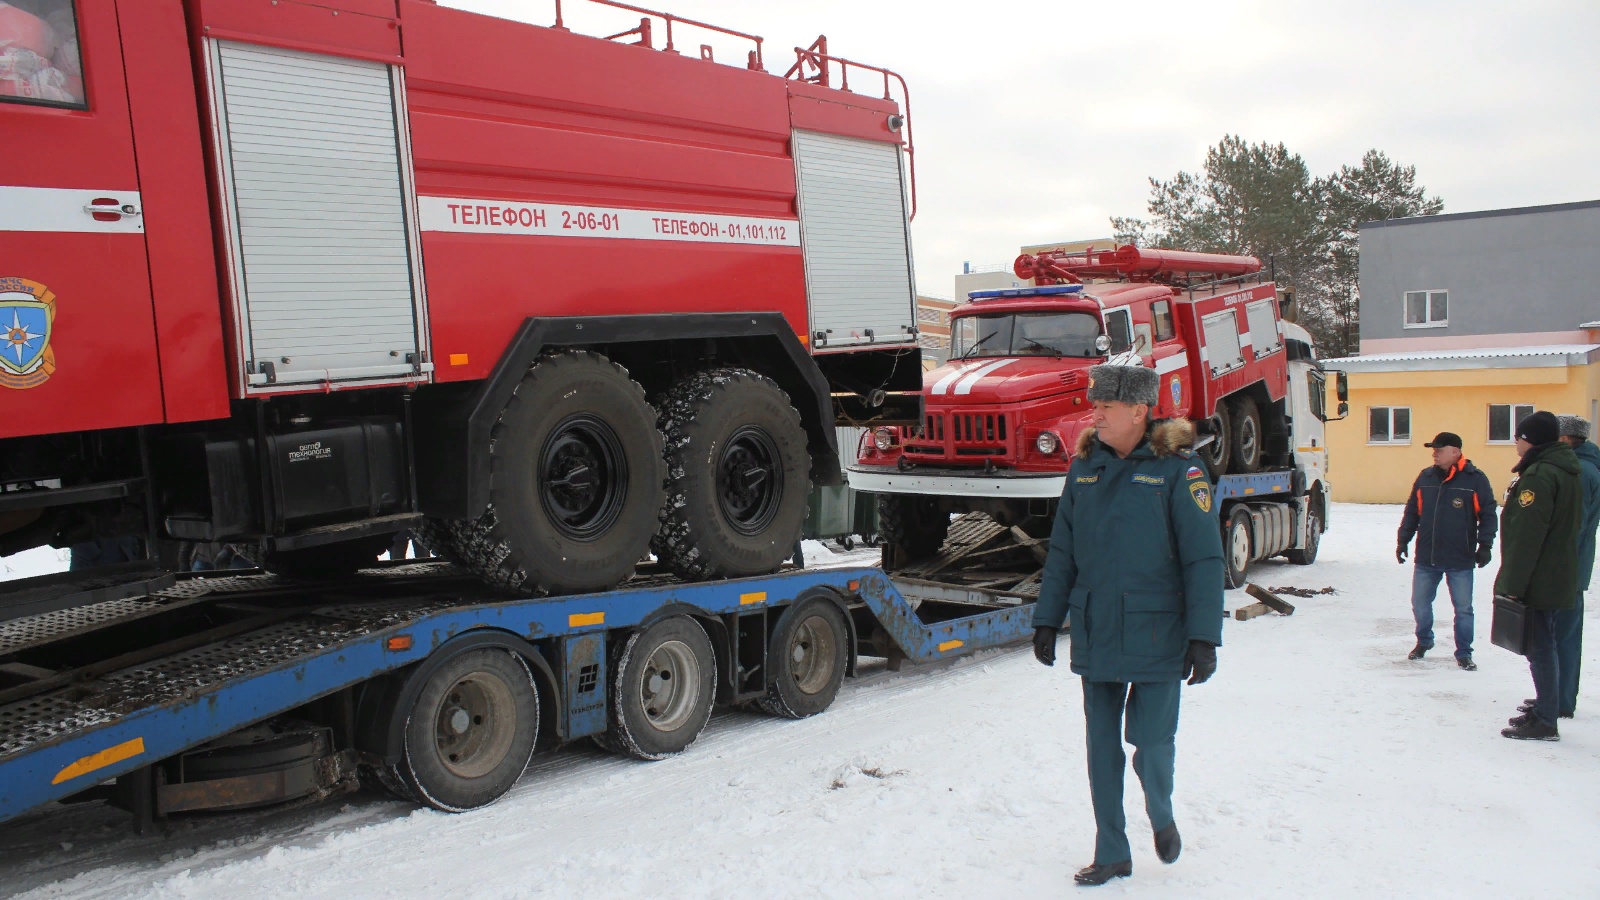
305,274
1003,415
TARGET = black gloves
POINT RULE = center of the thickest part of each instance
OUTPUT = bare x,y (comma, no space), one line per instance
1483,556
1400,553
1201,661
1044,644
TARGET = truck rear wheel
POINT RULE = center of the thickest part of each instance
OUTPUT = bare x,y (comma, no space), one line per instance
575,481
662,691
1244,436
806,660
738,476
1216,452
912,528
1236,547
470,732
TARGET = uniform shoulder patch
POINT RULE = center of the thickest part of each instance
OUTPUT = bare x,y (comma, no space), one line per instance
1149,479
1525,498
1195,472
1201,492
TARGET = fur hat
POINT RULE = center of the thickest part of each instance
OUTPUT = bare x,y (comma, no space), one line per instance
1123,384
1539,429
1574,426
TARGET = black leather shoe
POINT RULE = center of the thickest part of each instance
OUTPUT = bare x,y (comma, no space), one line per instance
1098,874
1169,844
1531,730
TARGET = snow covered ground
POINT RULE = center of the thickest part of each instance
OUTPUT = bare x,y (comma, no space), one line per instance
1319,762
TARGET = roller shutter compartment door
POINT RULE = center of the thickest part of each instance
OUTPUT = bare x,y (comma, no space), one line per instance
853,229
322,224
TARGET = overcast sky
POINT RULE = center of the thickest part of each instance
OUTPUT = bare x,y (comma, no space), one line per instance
1036,121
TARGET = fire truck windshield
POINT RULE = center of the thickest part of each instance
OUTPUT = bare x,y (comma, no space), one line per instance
1025,334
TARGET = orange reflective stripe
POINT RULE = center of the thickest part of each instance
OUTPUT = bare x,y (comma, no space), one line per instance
1419,501
1477,508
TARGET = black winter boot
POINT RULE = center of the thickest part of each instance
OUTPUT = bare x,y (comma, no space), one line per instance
1531,729
1098,874
1418,652
1169,844
1466,662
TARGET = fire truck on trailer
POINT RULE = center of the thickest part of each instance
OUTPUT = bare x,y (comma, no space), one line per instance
303,275
1003,416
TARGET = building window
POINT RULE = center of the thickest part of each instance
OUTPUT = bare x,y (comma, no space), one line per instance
1388,424
1503,420
1427,309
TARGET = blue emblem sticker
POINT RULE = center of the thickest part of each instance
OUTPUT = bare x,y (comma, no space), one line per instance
27,313
1149,479
1177,391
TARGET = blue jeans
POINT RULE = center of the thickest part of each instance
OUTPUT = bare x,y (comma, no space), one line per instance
1424,586
1544,662
1569,649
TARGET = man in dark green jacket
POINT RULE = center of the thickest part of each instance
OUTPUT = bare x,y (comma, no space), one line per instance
1539,558
1135,564
1569,622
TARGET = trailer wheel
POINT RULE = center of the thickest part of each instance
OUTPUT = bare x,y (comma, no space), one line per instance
1217,454
575,481
738,476
911,527
1244,436
662,691
1305,556
327,560
471,731
1236,547
806,660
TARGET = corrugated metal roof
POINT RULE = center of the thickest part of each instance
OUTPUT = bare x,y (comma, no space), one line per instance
1482,358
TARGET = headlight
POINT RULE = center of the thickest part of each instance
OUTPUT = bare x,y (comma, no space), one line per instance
1047,443
883,438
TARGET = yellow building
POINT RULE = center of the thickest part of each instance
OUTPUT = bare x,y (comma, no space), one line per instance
1399,401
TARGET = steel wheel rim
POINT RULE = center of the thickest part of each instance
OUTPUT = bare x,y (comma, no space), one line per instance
1215,450
1247,440
811,655
583,477
750,480
669,687
473,726
1239,546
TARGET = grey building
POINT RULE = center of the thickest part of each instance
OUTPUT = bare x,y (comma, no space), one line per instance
1499,278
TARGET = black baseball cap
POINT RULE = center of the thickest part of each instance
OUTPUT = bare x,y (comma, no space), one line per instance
1445,439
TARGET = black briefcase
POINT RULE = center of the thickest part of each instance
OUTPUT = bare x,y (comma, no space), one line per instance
1509,627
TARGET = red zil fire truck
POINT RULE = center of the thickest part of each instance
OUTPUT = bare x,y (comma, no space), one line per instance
1003,416
304,274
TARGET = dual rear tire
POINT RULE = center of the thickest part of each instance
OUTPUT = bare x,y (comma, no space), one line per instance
586,478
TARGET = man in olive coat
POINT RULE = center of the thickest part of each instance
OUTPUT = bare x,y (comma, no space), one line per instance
1539,558
1569,622
1135,565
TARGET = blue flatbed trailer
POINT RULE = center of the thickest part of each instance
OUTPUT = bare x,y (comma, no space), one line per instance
232,692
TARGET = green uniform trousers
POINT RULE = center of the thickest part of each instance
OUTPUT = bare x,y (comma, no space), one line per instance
1152,729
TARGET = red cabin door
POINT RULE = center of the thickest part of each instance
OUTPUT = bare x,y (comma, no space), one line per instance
77,327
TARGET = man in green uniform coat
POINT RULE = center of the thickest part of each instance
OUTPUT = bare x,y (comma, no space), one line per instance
1539,559
1135,569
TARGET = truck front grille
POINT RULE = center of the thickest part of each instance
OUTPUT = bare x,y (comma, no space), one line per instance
952,435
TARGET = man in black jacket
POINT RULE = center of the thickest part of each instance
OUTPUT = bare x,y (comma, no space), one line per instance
1451,513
